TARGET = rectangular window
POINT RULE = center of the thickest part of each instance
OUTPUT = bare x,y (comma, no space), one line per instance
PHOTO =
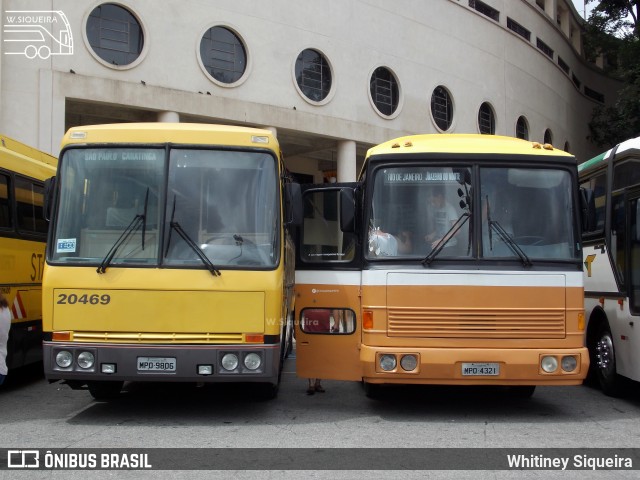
5,206
598,186
323,240
563,65
29,206
544,48
576,81
519,29
593,94
485,9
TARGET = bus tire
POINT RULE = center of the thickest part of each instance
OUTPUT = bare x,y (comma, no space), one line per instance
372,390
604,362
521,391
105,390
289,336
268,391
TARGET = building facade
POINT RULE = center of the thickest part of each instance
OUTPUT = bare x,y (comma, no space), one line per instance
330,77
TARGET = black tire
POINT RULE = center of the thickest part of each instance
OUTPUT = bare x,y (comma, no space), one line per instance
372,390
522,391
603,359
105,390
268,391
289,337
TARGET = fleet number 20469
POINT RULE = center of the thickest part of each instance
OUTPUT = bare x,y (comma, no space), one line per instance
85,299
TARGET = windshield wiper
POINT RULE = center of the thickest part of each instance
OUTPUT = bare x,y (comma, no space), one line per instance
506,238
173,225
124,236
447,236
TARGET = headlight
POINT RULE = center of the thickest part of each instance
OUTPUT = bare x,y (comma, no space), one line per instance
388,362
230,361
569,363
549,364
64,359
409,362
252,361
86,359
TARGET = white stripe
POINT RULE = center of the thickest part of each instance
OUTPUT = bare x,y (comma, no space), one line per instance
440,277
327,277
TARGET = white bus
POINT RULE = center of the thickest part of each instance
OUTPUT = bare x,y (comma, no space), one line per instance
611,246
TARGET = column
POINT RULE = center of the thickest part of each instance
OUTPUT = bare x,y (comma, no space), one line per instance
346,161
170,117
273,130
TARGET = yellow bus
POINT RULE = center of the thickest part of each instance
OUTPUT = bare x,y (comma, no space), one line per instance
23,232
454,260
169,257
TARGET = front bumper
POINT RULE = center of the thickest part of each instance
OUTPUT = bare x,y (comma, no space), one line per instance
187,360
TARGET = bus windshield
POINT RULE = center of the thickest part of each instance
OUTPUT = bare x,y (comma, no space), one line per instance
118,207
488,213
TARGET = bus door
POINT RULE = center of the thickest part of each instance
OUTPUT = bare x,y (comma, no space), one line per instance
328,272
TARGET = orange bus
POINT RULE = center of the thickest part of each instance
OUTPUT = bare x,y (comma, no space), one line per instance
455,259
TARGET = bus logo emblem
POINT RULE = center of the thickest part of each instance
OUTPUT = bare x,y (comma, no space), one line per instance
37,33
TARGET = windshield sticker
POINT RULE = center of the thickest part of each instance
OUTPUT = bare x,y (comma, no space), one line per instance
66,245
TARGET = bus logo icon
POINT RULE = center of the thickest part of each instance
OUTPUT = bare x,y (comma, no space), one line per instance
37,33
23,459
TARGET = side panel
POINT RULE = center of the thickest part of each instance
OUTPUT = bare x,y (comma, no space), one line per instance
333,356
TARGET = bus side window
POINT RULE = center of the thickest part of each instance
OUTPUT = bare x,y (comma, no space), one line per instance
5,211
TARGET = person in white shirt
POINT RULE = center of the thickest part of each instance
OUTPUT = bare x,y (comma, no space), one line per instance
5,325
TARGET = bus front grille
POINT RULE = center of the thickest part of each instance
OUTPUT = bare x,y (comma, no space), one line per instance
162,338
476,323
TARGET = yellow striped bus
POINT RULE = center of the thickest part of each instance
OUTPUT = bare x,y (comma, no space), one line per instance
455,260
169,258
23,232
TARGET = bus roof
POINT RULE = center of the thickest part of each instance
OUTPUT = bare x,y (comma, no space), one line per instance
464,143
633,144
184,133
21,158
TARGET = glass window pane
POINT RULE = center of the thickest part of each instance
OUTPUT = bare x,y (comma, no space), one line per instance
442,108
332,321
522,129
5,206
223,54
416,210
114,34
486,119
105,191
384,91
313,75
29,206
226,202
322,239
527,209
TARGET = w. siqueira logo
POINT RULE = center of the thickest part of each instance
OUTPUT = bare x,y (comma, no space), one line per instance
37,33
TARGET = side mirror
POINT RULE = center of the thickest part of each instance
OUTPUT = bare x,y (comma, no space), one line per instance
347,210
49,191
293,204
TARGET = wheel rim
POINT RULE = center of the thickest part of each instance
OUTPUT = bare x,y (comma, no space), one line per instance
605,359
